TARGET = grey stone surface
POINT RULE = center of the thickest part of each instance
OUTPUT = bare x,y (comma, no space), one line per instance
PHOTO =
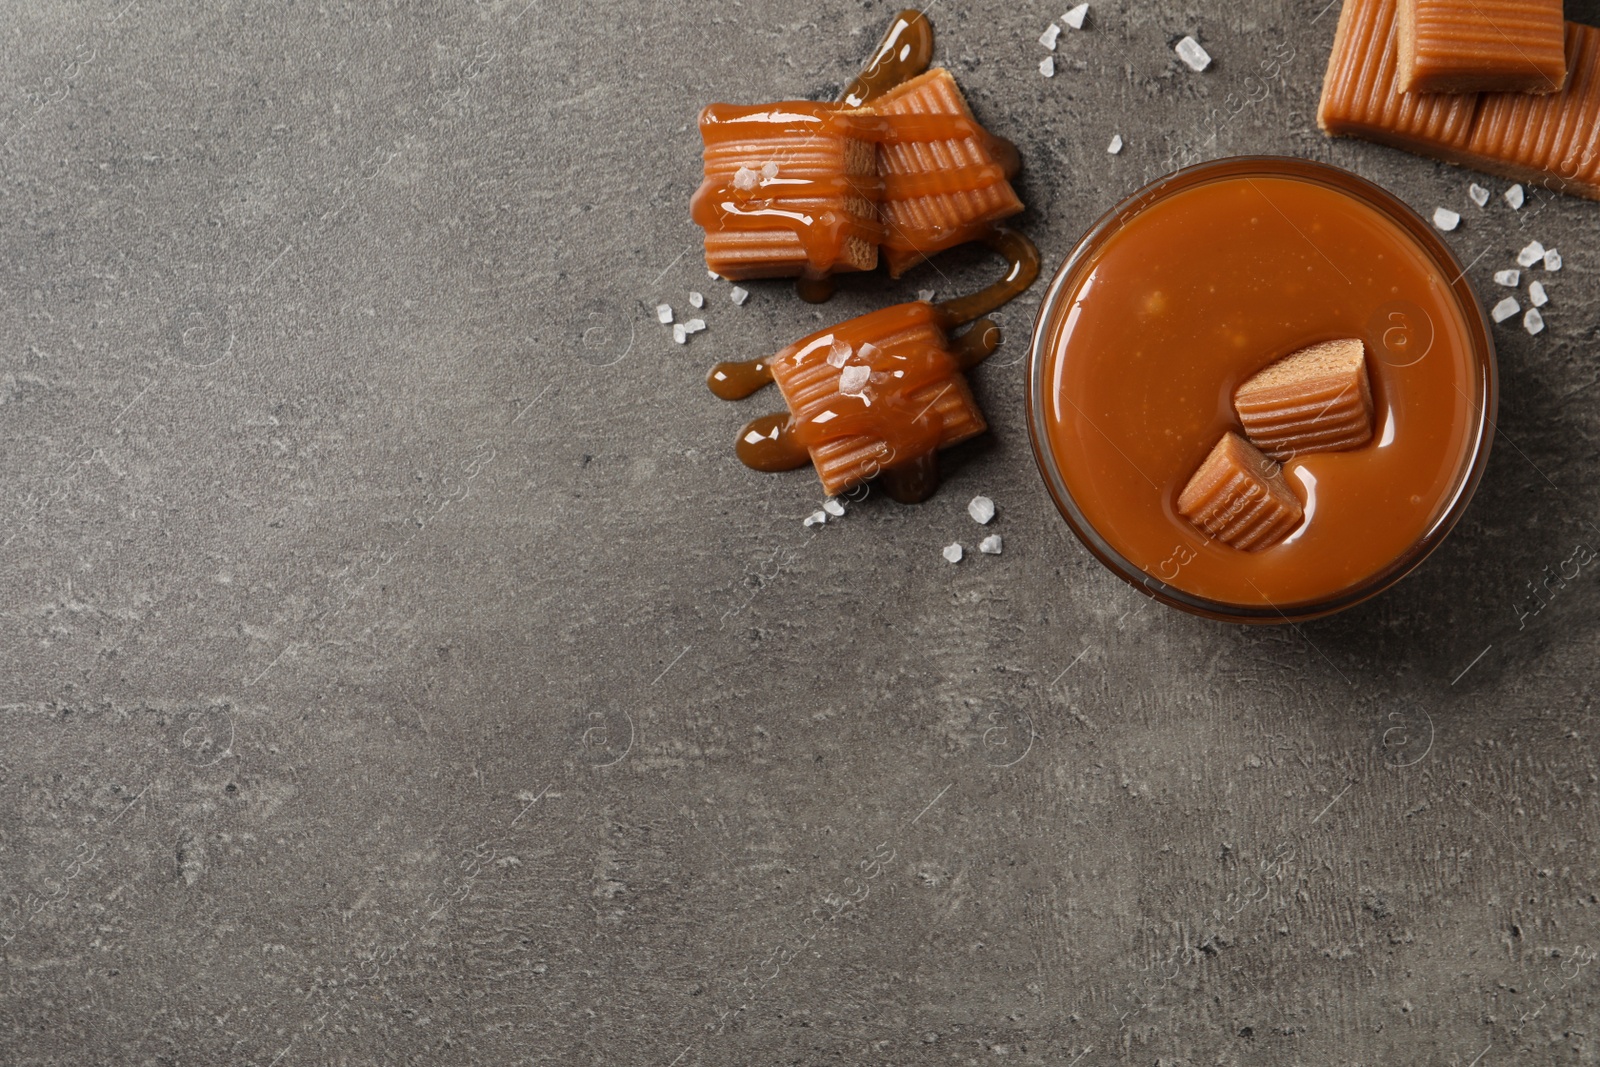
398,667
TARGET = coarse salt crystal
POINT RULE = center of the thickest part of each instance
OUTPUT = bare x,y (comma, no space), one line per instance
1075,17
868,350
679,334
745,179
990,546
1532,253
1445,219
981,509
697,300
833,507
1047,66
925,295
952,552
713,275
694,325
1514,197
769,170
839,354
1048,37
738,295
1478,194
1116,144
663,313
1536,294
1533,322
816,518
1505,309
1552,260
1195,57
1508,278
854,379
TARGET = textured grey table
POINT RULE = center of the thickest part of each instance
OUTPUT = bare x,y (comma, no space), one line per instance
398,667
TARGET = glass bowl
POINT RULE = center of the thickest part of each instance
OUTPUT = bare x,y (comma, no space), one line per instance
1481,406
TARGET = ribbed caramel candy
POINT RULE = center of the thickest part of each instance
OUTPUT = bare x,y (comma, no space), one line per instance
788,189
1360,93
1551,140
1239,497
943,191
1548,140
1315,400
1466,46
853,437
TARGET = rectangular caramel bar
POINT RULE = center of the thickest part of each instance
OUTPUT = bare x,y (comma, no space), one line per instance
1468,46
1551,140
1482,45
818,163
808,382
944,191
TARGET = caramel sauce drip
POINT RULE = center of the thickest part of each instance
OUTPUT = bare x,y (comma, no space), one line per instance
914,481
904,52
977,344
1022,258
737,380
768,444
814,288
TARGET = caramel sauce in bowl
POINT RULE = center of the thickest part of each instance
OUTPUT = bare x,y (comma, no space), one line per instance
1189,287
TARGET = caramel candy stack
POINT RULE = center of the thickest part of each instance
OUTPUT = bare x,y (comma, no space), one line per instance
943,191
904,336
1361,95
1315,400
1239,497
822,218
1463,46
1551,139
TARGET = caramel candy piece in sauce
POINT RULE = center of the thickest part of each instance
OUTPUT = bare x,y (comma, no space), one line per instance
1466,46
1315,400
1239,497
1548,140
789,189
876,392
946,179
1361,95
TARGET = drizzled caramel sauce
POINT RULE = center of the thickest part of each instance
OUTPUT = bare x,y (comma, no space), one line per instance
735,381
802,167
910,363
1022,263
904,52
801,170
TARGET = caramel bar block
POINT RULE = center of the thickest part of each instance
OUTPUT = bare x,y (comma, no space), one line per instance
908,332
1239,497
1466,46
1315,400
1361,96
939,190
824,216
1549,140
